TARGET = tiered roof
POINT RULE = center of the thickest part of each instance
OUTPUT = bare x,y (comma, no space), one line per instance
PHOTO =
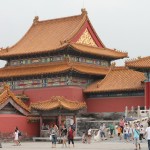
58,102
140,63
51,68
118,79
57,34
9,97
105,52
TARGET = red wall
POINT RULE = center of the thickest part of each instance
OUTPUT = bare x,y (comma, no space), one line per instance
147,94
70,92
8,123
113,104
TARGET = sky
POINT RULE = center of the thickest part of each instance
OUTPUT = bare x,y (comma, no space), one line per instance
120,24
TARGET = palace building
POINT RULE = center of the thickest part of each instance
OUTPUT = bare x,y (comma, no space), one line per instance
61,67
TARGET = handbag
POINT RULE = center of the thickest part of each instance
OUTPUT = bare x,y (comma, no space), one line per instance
50,137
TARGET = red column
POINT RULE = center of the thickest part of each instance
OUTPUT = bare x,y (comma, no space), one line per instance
41,122
59,120
147,94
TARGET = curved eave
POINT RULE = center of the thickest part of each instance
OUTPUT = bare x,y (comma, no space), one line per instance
99,51
7,56
51,68
113,90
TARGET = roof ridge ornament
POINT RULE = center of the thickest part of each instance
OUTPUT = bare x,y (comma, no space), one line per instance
113,65
84,12
6,86
36,20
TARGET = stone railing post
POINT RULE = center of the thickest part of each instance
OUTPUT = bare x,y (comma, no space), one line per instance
126,111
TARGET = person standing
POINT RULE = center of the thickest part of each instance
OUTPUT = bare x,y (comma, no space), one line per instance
89,134
121,123
147,131
54,134
111,128
119,129
64,135
142,131
126,132
136,134
0,145
102,131
70,136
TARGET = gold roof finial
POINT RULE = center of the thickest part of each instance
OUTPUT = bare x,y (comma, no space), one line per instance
36,19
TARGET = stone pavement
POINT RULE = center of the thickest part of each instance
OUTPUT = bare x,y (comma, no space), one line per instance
102,145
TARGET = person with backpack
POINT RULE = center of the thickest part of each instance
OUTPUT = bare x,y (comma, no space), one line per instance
136,135
19,134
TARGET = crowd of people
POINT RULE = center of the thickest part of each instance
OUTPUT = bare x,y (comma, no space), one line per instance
124,130
65,134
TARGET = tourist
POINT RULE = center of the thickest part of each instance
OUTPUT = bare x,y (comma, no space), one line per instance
19,134
84,137
147,131
111,129
89,134
16,137
136,134
102,131
54,133
119,129
126,132
70,136
142,131
64,135
0,144
121,123
130,132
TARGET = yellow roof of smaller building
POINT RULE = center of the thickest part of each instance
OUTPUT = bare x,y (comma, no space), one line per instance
7,93
118,79
139,63
58,102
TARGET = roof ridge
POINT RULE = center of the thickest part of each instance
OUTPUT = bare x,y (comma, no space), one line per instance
101,82
136,59
59,19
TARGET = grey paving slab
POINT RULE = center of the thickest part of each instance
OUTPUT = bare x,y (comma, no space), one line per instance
102,145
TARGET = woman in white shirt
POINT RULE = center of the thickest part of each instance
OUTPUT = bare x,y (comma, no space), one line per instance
16,137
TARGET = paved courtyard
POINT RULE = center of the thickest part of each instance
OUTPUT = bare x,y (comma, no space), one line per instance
102,145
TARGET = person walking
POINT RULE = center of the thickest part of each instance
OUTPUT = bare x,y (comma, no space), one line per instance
54,134
147,131
70,136
16,138
64,135
19,134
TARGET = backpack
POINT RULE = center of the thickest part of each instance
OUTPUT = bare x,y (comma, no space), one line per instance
19,134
